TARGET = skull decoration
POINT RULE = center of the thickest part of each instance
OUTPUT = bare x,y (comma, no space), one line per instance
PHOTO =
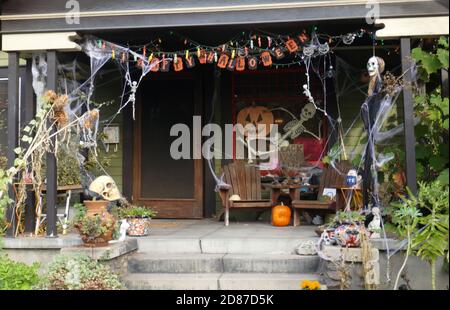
375,66
324,48
375,225
308,111
349,38
106,187
309,50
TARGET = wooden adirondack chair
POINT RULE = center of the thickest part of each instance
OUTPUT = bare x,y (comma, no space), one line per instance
330,178
245,181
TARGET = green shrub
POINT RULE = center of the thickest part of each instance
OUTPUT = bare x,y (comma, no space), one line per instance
136,212
17,276
79,272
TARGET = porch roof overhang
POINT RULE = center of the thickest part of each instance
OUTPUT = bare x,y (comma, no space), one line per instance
413,27
24,16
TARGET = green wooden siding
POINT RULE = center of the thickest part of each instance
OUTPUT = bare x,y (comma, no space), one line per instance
110,89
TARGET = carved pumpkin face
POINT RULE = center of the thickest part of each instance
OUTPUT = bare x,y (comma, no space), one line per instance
256,115
281,216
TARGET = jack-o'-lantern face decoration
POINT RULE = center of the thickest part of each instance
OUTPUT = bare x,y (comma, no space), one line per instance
256,116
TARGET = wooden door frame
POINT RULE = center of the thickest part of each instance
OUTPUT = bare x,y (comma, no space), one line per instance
169,207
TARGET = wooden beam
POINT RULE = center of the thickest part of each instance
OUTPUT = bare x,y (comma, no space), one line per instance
408,115
61,41
51,194
13,127
417,27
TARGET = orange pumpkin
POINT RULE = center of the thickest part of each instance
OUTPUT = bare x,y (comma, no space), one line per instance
281,215
256,115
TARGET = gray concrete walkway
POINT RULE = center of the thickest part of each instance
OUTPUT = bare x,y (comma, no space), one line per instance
209,236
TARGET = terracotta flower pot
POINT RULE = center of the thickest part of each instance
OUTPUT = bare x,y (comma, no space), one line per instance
138,226
100,241
98,207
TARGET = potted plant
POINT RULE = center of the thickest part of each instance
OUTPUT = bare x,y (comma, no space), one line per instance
96,229
138,218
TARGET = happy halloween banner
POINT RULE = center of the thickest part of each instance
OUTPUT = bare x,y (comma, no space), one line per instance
239,54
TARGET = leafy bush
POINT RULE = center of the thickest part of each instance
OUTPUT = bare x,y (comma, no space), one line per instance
425,215
343,217
432,109
136,212
79,272
17,276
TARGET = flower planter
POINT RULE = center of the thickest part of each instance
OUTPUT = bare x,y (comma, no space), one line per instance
100,241
98,208
138,226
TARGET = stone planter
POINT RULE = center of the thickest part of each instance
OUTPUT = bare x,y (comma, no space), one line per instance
138,226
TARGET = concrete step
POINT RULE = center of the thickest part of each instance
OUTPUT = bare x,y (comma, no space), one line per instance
175,263
222,263
222,245
270,263
215,281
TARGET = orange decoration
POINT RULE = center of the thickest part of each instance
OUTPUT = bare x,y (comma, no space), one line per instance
303,37
210,57
281,215
178,64
202,57
190,62
256,115
291,46
278,53
164,65
252,63
223,61
266,59
154,64
231,65
240,64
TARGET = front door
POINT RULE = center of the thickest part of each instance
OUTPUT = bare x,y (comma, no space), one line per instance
174,188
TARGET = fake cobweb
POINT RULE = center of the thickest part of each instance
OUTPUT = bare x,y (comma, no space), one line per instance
78,82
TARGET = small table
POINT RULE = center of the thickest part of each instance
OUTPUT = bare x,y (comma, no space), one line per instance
275,191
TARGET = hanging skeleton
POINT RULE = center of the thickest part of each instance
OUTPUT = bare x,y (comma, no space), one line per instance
369,112
132,98
295,128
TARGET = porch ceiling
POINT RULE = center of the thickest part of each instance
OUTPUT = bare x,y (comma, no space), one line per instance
20,16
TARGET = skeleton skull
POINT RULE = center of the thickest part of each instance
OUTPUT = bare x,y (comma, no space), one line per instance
375,65
308,111
106,187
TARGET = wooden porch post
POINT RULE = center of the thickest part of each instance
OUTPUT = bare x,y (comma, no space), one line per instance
13,127
408,115
51,192
28,113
